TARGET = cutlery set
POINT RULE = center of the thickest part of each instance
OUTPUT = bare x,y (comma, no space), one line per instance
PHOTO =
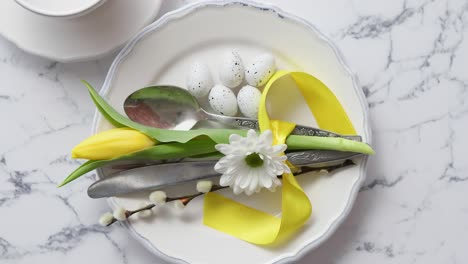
172,107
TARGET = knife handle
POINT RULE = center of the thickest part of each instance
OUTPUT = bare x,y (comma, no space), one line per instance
298,130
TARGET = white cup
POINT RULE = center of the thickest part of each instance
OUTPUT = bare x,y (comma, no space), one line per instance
60,8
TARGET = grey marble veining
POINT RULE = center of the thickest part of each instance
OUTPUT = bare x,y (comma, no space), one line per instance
411,57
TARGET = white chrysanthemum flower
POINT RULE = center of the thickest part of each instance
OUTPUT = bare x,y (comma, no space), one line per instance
251,163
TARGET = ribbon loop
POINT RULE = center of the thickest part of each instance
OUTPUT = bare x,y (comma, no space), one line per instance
258,227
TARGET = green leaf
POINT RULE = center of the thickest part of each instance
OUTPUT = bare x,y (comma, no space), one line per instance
158,152
106,116
222,135
295,142
162,135
196,143
206,149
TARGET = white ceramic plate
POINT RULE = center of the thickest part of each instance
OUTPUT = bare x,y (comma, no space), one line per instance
89,36
161,53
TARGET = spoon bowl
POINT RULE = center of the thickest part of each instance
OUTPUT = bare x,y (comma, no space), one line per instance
168,107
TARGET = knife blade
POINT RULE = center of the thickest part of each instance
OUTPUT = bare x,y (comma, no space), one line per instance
161,176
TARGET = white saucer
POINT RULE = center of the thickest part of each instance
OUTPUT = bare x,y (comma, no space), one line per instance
80,38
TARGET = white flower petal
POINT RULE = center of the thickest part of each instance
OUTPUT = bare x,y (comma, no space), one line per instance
266,181
234,138
246,179
251,134
218,167
226,179
254,182
237,167
286,169
242,178
276,168
237,189
271,174
281,158
278,149
266,137
238,179
248,192
226,149
277,182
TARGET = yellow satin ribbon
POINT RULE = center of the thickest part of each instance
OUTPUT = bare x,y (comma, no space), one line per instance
258,227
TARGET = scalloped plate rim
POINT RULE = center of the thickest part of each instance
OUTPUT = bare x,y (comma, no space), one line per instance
179,13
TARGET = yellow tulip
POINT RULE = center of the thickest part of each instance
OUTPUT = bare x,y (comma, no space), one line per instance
111,144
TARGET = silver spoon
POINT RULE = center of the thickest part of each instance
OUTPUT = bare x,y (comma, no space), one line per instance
172,107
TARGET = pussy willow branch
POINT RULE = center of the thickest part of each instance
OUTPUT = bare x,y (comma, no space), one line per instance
188,198
184,199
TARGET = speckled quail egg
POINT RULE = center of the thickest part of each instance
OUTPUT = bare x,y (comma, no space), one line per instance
248,100
231,70
222,100
260,70
199,79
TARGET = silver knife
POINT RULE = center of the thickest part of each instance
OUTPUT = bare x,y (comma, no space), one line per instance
298,130
161,176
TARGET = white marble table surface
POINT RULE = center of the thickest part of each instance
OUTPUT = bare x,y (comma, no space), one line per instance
412,59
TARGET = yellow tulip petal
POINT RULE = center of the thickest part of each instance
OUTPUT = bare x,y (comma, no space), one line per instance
111,144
